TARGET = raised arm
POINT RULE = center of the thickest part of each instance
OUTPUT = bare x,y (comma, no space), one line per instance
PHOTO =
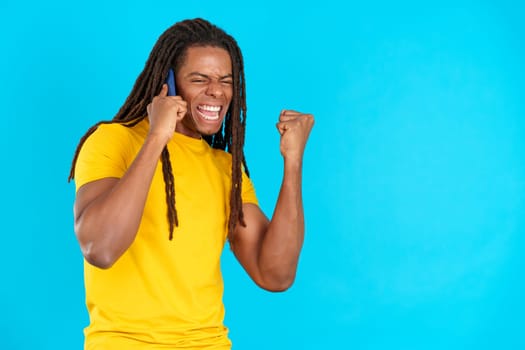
108,211
269,250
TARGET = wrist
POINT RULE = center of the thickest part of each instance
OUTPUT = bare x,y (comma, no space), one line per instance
157,140
293,162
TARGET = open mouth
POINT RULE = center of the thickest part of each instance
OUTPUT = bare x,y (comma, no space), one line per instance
209,112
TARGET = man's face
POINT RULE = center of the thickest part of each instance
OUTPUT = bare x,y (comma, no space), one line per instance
205,82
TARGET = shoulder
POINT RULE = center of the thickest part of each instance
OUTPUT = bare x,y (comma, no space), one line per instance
107,152
113,140
113,134
117,129
107,133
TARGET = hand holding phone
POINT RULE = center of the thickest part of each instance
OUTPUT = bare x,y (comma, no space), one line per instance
165,113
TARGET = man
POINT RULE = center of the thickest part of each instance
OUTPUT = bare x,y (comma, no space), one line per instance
153,280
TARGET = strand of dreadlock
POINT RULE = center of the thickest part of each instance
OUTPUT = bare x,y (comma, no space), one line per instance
169,182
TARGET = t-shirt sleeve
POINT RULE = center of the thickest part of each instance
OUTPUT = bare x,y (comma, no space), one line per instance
104,154
248,191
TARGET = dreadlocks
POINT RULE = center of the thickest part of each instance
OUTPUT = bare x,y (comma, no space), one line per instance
169,52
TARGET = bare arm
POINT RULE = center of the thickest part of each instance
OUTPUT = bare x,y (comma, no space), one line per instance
108,211
269,250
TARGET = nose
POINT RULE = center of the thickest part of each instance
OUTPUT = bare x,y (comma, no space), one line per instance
214,89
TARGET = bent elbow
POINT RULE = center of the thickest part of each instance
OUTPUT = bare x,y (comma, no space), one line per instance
97,254
95,249
277,284
101,259
278,288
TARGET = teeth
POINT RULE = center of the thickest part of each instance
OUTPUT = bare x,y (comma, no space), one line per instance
207,117
209,112
210,108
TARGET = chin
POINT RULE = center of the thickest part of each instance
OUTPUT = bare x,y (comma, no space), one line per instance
207,131
209,128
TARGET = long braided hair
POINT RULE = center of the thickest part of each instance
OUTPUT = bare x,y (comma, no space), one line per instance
169,52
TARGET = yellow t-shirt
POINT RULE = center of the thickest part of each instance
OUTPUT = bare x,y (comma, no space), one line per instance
162,294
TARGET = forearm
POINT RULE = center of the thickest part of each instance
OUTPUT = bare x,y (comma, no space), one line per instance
283,240
269,250
107,226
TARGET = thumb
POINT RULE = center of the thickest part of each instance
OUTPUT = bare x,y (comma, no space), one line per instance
164,91
281,127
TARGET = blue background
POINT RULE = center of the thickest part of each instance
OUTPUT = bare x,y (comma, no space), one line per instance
414,176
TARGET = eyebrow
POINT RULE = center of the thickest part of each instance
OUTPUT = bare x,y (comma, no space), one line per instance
207,76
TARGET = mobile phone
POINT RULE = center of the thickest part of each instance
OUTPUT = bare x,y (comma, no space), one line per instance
170,80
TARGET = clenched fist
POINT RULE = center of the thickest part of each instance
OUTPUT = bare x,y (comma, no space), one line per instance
294,128
164,112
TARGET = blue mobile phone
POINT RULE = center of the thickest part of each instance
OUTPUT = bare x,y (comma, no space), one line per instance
170,80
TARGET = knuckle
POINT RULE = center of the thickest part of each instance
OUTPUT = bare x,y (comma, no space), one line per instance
309,118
